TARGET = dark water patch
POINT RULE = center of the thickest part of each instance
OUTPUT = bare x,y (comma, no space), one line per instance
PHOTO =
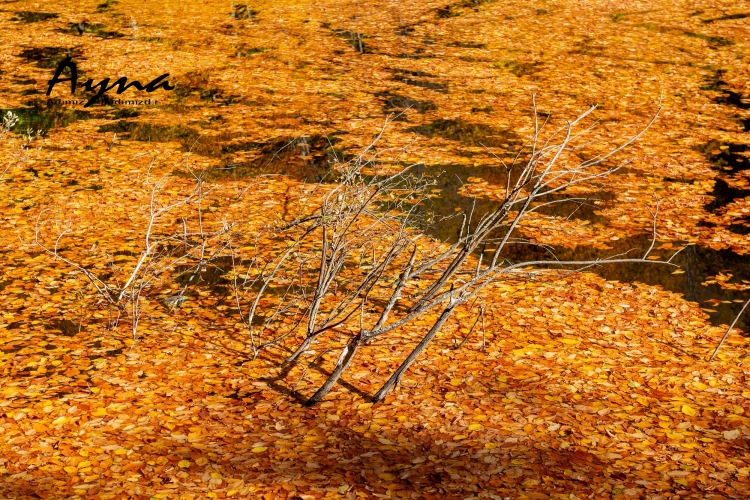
413,78
713,40
405,30
243,51
209,274
727,159
195,83
732,98
741,229
723,195
106,5
33,17
418,54
449,179
458,9
399,103
467,45
406,73
243,12
198,84
190,138
66,327
469,134
355,40
121,113
726,17
486,109
681,181
304,158
518,69
50,57
45,115
448,11
94,29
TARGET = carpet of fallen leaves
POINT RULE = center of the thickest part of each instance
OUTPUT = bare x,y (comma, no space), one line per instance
578,388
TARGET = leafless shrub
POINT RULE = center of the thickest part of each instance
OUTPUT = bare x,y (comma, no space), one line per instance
346,239
351,224
159,254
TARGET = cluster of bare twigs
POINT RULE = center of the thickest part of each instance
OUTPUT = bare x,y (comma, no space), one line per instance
400,280
161,251
353,258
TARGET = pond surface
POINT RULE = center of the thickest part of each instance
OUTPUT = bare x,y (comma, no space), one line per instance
311,158
698,263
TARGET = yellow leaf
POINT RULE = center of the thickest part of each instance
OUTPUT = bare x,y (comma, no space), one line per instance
259,449
490,446
201,461
687,410
386,476
183,464
456,382
71,470
475,427
569,341
59,421
121,451
100,412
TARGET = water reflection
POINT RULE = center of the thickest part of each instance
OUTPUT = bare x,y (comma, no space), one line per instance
698,263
